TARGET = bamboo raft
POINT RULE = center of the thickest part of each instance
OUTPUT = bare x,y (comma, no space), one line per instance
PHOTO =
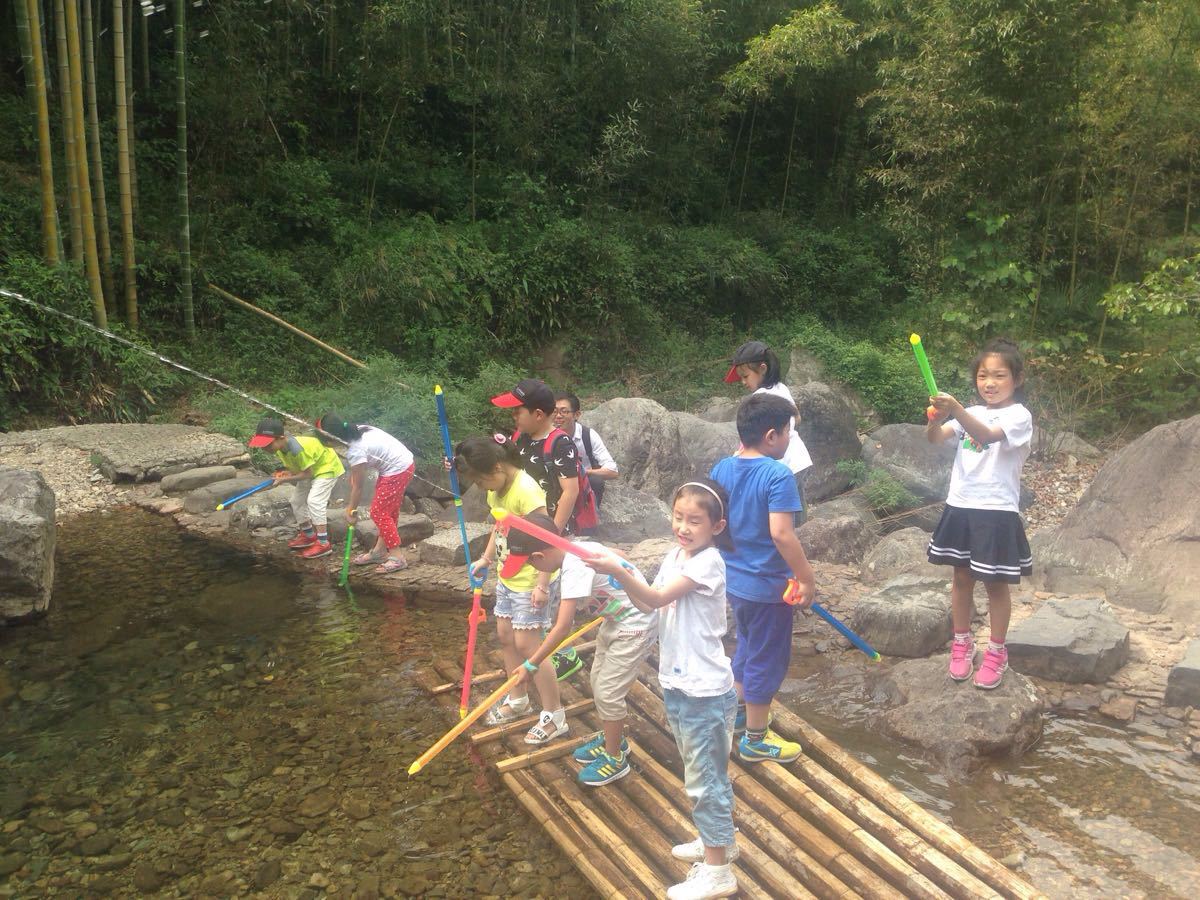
825,826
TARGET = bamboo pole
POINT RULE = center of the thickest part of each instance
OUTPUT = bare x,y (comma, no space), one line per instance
129,251
522,724
869,784
97,160
289,326
51,239
497,674
181,170
533,757
68,129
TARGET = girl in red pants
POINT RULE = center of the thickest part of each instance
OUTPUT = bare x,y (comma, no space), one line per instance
370,447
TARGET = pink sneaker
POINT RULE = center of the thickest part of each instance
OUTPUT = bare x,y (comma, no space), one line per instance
995,664
962,655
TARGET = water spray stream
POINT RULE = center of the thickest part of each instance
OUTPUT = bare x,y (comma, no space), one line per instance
181,367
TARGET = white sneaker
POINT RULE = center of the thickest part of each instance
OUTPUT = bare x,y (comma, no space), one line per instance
508,710
705,882
693,851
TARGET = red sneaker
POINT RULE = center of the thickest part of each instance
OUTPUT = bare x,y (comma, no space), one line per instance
302,540
316,550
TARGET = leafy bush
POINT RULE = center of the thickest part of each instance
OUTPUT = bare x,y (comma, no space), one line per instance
883,493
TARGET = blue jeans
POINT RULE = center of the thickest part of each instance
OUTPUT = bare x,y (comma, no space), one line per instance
703,729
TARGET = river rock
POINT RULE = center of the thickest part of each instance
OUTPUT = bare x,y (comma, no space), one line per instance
1183,684
196,478
803,368
908,616
718,409
27,538
411,528
643,438
957,723
267,874
1077,640
445,547
841,539
139,452
266,509
9,863
902,553
475,505
205,499
1136,530
341,490
319,802
1121,709
629,515
147,879
902,452
830,432
849,504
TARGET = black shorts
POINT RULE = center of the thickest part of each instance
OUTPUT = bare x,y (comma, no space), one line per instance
991,542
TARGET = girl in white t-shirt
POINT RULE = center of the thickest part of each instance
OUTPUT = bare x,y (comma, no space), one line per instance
980,532
368,447
695,674
757,367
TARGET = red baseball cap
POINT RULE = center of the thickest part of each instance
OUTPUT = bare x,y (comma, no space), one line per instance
530,393
521,544
267,431
750,352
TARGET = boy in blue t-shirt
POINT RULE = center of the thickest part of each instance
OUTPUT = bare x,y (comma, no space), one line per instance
763,501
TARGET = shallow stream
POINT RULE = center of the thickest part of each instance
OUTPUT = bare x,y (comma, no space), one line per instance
191,719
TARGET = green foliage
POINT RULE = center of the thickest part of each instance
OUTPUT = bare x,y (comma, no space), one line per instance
883,493
988,288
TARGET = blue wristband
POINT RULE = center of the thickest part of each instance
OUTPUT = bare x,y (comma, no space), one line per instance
529,667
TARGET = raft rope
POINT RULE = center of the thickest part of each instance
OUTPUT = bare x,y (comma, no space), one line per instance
178,365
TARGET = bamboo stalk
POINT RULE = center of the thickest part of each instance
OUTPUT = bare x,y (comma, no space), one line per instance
97,160
521,724
68,128
533,757
51,239
906,811
129,251
290,327
181,170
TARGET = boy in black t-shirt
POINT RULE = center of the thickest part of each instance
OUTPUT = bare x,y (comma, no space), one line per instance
532,405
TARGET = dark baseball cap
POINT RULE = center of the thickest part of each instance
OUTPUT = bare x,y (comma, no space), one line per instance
530,393
521,544
267,431
751,352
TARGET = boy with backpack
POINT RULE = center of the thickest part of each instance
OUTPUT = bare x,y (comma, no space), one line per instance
598,463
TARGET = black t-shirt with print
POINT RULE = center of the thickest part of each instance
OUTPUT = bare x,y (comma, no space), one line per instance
545,468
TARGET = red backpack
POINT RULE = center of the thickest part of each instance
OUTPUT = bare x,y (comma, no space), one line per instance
584,514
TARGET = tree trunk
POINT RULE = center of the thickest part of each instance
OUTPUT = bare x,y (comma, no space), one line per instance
29,28
181,168
144,31
131,92
97,161
119,70
68,127
86,213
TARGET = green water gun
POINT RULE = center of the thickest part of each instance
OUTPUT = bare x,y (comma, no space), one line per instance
923,362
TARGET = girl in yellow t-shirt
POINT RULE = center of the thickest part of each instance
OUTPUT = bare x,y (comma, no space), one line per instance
526,599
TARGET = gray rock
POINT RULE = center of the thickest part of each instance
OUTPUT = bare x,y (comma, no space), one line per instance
147,879
267,874
140,452
27,538
802,368
266,509
1069,640
1136,530
433,484
901,553
718,409
411,528
205,499
428,507
701,444
1183,684
475,507
908,616
840,539
1063,442
830,432
903,452
954,722
196,478
850,504
445,547
629,515
644,439
648,555
341,490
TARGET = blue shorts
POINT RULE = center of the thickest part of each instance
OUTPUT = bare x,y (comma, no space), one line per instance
764,647
518,606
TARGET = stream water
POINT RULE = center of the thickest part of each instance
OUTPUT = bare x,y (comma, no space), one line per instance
191,720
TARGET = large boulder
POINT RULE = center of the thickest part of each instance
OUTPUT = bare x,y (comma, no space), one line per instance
1077,640
830,432
903,452
643,437
26,543
902,553
1050,442
802,369
701,444
908,616
140,452
182,482
412,528
1183,684
266,509
475,505
1136,530
718,409
836,539
850,504
630,515
205,499
648,555
955,722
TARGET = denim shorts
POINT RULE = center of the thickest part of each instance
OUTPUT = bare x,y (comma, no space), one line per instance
518,606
